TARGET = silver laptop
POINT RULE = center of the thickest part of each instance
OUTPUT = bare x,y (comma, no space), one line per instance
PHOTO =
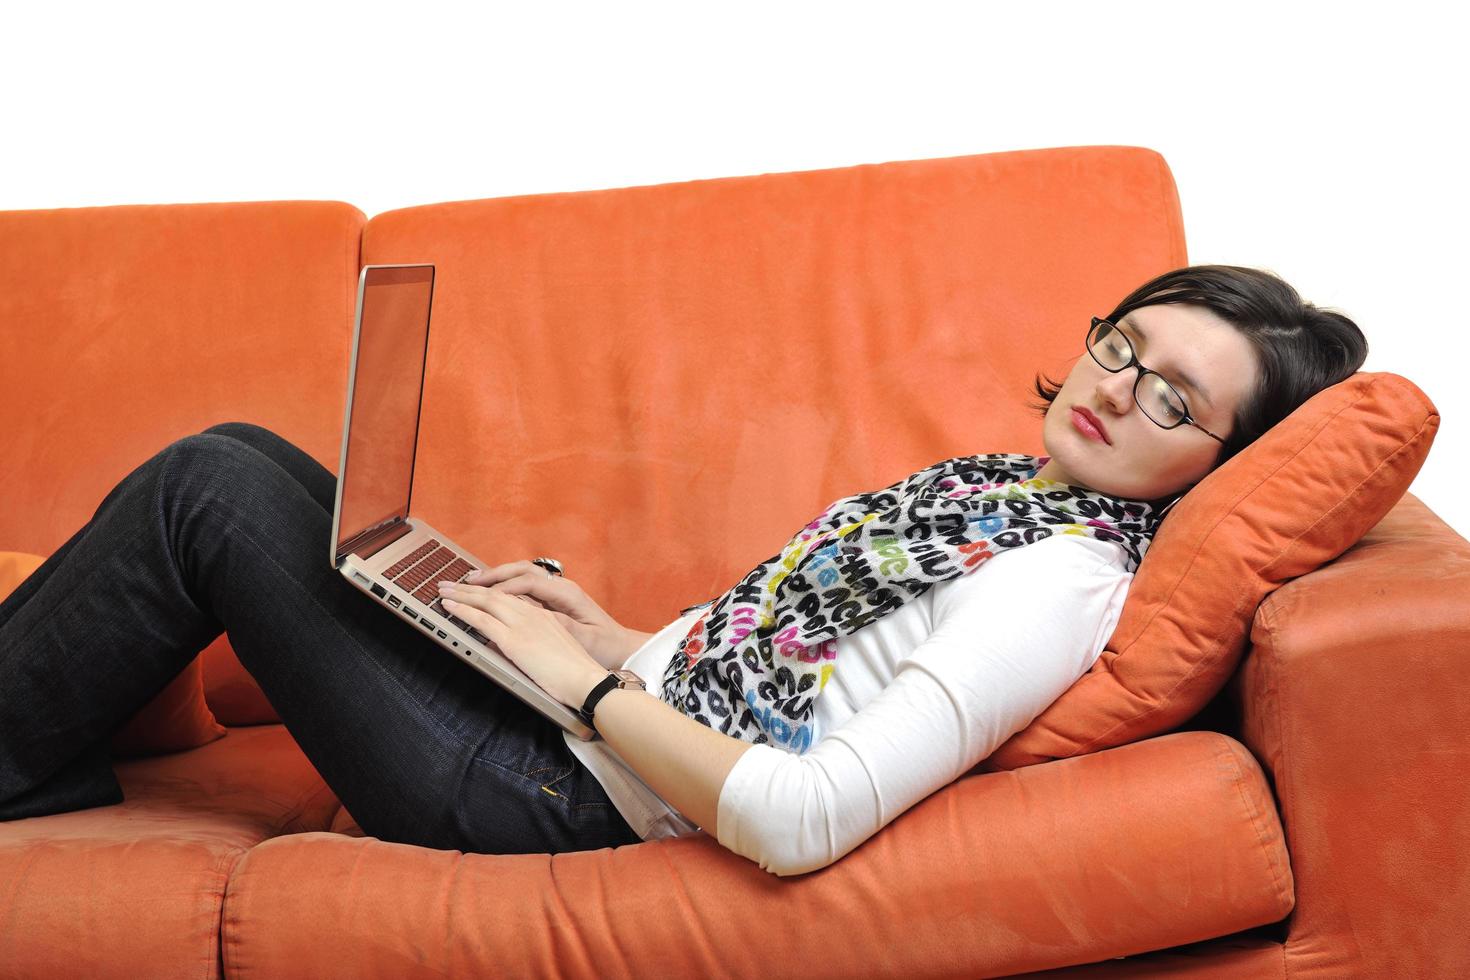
389,553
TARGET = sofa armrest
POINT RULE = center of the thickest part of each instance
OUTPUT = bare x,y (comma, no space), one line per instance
1356,701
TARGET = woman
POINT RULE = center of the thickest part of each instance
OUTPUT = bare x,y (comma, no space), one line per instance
962,601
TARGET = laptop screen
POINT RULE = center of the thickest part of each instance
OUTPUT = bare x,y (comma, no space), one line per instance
384,391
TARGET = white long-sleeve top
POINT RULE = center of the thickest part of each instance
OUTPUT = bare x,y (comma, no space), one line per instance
917,699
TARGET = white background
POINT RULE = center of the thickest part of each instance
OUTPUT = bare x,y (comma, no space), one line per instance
1323,142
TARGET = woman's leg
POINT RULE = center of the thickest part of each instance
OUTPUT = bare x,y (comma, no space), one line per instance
213,533
298,464
88,780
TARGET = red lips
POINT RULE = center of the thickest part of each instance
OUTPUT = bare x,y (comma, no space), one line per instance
1094,421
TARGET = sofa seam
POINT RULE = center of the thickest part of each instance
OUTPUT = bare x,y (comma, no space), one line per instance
225,875
1284,788
1255,814
304,800
354,270
1177,245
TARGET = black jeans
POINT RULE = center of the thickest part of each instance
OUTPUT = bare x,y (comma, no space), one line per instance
229,530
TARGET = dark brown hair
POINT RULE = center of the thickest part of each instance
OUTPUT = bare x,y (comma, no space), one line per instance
1301,349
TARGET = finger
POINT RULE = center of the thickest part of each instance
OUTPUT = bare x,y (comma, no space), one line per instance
500,573
522,589
509,609
475,592
478,618
490,600
537,587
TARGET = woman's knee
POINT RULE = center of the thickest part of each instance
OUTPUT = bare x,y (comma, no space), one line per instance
247,432
290,458
214,459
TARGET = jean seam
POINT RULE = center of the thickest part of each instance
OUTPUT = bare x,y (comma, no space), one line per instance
547,785
569,770
525,775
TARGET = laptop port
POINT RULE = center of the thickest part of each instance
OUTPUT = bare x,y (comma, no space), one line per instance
378,590
443,635
427,625
393,601
411,613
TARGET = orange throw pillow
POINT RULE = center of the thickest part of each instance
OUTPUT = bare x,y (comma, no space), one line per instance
1294,500
234,696
176,719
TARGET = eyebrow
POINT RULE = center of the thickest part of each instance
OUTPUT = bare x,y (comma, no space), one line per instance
1195,385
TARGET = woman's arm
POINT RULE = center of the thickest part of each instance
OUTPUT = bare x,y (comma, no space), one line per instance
614,655
605,639
633,641
1008,639
681,760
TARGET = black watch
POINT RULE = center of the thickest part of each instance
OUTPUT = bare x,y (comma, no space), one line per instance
615,678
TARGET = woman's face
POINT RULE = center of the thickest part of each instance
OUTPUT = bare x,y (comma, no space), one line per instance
1140,460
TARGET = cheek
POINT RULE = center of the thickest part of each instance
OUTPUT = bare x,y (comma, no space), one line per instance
1191,464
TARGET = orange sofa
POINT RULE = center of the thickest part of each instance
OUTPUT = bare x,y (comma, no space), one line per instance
655,385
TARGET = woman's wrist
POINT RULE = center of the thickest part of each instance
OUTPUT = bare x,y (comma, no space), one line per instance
633,640
619,644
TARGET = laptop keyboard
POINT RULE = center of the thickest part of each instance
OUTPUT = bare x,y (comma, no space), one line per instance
420,572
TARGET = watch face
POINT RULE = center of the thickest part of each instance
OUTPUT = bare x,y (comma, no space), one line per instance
630,677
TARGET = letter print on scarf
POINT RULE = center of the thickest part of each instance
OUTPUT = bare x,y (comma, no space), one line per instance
753,664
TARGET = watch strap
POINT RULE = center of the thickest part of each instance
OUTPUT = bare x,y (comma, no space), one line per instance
603,686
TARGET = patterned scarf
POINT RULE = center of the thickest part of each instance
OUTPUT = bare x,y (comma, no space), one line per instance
753,664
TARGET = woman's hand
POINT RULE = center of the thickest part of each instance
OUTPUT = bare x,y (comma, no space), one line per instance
604,638
530,637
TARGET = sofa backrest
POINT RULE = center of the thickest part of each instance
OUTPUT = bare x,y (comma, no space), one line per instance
125,328
128,327
659,385
655,385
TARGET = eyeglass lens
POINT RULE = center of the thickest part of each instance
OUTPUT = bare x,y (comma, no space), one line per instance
1159,401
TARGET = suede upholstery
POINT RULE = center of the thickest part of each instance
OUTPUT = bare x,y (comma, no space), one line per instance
656,385
1297,498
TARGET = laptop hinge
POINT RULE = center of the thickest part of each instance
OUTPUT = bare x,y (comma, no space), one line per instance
369,543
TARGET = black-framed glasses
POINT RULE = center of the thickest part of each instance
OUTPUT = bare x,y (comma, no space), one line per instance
1158,399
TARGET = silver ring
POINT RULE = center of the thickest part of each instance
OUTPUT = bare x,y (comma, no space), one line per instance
552,566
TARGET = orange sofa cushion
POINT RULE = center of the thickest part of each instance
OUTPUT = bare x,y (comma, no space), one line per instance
1143,847
137,888
178,718
1296,499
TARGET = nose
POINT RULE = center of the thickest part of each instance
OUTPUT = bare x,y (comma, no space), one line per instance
1117,390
